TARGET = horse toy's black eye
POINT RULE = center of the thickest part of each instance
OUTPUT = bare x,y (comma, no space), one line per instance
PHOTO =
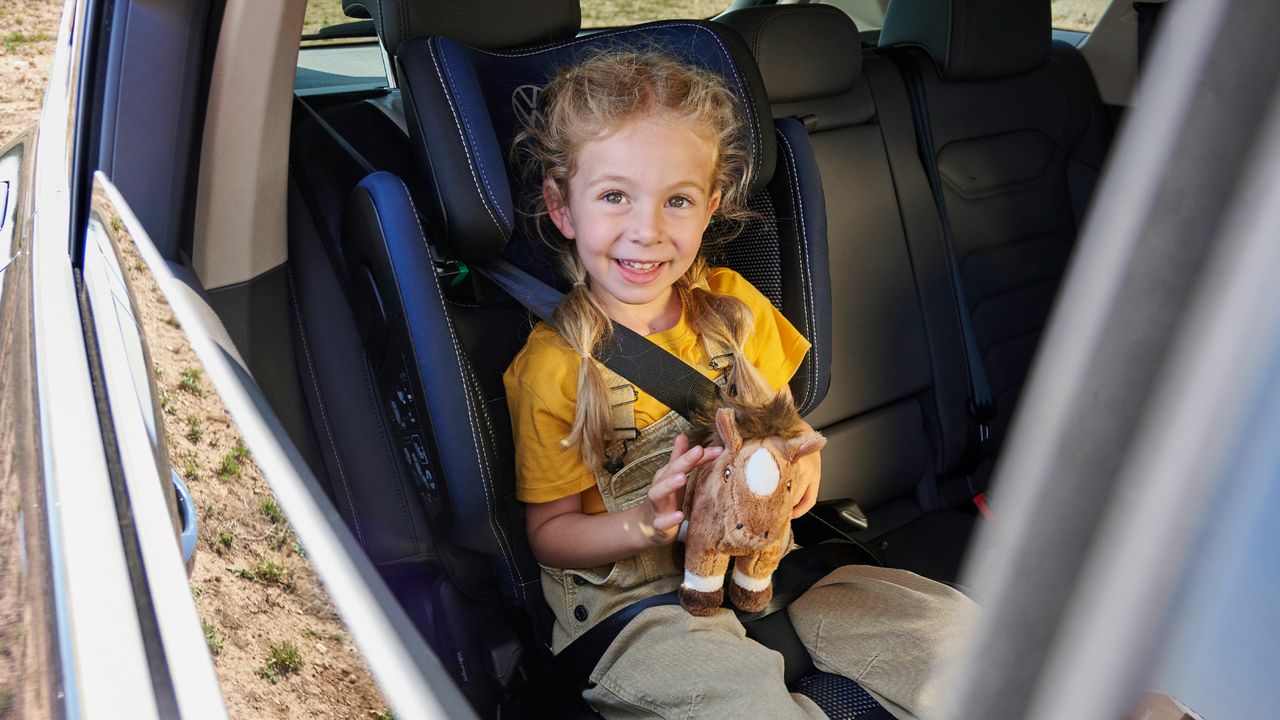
727,472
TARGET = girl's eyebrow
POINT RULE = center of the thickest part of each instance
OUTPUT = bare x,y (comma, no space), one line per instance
679,185
610,178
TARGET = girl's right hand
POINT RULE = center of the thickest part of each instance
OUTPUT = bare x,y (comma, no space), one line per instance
664,514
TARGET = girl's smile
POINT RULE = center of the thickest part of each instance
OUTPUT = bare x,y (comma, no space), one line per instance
637,204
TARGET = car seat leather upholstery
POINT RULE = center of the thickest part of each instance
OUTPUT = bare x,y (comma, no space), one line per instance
894,416
1020,137
972,40
491,24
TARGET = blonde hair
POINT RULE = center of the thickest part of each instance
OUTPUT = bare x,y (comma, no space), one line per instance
590,100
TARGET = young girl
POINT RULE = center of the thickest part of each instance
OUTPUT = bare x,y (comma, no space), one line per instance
637,153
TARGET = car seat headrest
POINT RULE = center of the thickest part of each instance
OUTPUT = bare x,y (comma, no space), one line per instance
466,105
973,39
479,23
805,52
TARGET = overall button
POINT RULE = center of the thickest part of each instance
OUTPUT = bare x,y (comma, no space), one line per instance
580,613
579,580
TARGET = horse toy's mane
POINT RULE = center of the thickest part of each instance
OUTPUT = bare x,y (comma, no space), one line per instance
739,505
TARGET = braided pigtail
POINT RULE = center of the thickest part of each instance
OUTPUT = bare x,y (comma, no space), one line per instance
726,321
584,325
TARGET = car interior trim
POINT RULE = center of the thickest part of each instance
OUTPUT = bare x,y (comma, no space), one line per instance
409,674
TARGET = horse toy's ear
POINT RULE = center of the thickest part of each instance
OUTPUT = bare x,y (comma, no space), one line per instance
727,424
810,442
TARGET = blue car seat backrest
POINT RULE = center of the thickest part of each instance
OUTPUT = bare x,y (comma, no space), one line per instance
438,351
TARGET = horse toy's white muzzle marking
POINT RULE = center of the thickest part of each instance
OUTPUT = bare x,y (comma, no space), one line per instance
762,473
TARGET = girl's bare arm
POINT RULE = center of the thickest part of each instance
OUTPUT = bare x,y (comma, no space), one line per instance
563,536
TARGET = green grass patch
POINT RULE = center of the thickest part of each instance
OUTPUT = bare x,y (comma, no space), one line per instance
195,429
267,572
229,466
17,37
283,659
166,402
225,539
191,381
382,714
190,468
213,637
271,509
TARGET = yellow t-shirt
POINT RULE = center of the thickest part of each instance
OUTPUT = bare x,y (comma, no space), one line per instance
542,387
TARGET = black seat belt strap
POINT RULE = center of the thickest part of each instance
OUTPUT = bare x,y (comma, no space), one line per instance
651,367
663,375
981,404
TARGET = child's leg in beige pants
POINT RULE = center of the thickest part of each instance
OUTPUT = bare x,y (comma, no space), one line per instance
886,629
883,628
669,664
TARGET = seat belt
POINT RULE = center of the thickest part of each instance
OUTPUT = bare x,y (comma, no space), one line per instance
651,367
633,356
982,406
1148,15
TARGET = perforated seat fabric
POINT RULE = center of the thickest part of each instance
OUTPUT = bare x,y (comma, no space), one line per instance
839,698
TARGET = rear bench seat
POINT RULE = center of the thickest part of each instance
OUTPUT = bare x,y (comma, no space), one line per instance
1020,137
897,413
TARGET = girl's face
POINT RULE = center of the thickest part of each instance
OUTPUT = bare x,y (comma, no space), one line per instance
636,208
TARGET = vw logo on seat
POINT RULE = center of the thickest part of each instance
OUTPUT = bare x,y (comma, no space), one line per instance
524,100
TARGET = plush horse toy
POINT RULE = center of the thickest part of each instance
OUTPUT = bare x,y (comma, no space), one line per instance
740,504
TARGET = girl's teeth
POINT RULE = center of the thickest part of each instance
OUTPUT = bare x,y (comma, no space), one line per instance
639,266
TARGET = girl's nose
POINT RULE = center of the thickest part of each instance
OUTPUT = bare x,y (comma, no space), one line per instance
647,227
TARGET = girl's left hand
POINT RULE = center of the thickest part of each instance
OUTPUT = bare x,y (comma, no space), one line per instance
804,489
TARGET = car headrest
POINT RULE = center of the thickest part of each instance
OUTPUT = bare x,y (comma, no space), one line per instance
973,39
465,106
478,23
805,52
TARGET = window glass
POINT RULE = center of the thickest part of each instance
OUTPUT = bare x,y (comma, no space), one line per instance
322,14
336,62
1079,15
617,13
866,14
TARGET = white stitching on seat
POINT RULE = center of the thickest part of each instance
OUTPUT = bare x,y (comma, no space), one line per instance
503,543
324,416
808,275
484,177
458,124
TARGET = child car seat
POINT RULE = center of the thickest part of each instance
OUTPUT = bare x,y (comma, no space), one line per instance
435,347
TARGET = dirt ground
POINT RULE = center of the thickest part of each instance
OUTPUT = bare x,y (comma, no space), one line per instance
279,648
27,29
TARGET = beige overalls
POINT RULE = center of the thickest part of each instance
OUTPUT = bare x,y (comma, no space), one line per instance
879,626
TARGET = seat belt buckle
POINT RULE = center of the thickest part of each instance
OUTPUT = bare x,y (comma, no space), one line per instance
980,502
455,271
